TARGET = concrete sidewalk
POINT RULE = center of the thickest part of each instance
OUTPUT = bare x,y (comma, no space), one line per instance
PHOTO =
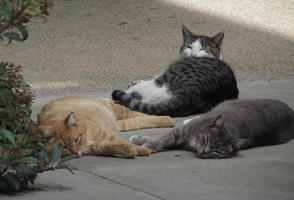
90,47
264,173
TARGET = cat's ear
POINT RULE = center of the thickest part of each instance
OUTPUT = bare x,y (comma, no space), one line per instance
218,122
218,39
239,144
44,131
71,119
186,32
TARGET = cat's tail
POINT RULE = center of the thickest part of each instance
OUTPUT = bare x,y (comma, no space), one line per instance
178,106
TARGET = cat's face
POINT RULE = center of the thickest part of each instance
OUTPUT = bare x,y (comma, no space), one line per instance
211,141
201,45
70,132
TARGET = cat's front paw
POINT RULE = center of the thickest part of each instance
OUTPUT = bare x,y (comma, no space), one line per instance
143,151
138,139
128,151
151,147
170,121
117,95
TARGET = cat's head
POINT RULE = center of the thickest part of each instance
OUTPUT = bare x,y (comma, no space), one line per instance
210,140
201,45
70,132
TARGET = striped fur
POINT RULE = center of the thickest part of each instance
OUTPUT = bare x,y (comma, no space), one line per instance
195,85
90,126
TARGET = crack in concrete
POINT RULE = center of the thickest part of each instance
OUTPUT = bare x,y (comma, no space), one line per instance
123,184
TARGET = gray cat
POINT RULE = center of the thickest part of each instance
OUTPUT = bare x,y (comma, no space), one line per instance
228,128
193,84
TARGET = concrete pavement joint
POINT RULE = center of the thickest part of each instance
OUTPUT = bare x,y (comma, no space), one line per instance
123,184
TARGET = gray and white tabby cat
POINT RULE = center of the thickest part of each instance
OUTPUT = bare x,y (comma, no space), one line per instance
201,45
228,128
193,84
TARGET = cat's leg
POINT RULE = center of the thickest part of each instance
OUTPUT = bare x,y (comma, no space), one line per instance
123,112
141,139
145,91
148,121
133,87
172,139
116,146
132,120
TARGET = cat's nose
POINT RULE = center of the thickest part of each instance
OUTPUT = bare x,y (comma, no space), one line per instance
194,54
204,155
204,150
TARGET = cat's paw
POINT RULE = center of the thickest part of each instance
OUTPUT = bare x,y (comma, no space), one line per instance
138,139
128,151
117,95
150,146
143,151
170,121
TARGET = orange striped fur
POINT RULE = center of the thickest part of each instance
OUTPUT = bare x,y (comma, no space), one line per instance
89,126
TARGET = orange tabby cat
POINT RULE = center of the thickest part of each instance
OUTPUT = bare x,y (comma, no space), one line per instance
89,126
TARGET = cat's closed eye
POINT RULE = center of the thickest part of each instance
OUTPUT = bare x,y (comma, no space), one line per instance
189,47
217,152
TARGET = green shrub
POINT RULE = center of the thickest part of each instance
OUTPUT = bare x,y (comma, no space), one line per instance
15,14
22,152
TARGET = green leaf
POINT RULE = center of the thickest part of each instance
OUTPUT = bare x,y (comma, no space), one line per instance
12,36
24,170
7,135
56,152
3,185
23,31
5,12
42,155
2,125
6,94
28,159
23,84
28,151
40,145
20,138
13,181
34,10
4,156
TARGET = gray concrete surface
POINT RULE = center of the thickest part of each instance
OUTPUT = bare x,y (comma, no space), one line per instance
264,173
89,47
96,45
